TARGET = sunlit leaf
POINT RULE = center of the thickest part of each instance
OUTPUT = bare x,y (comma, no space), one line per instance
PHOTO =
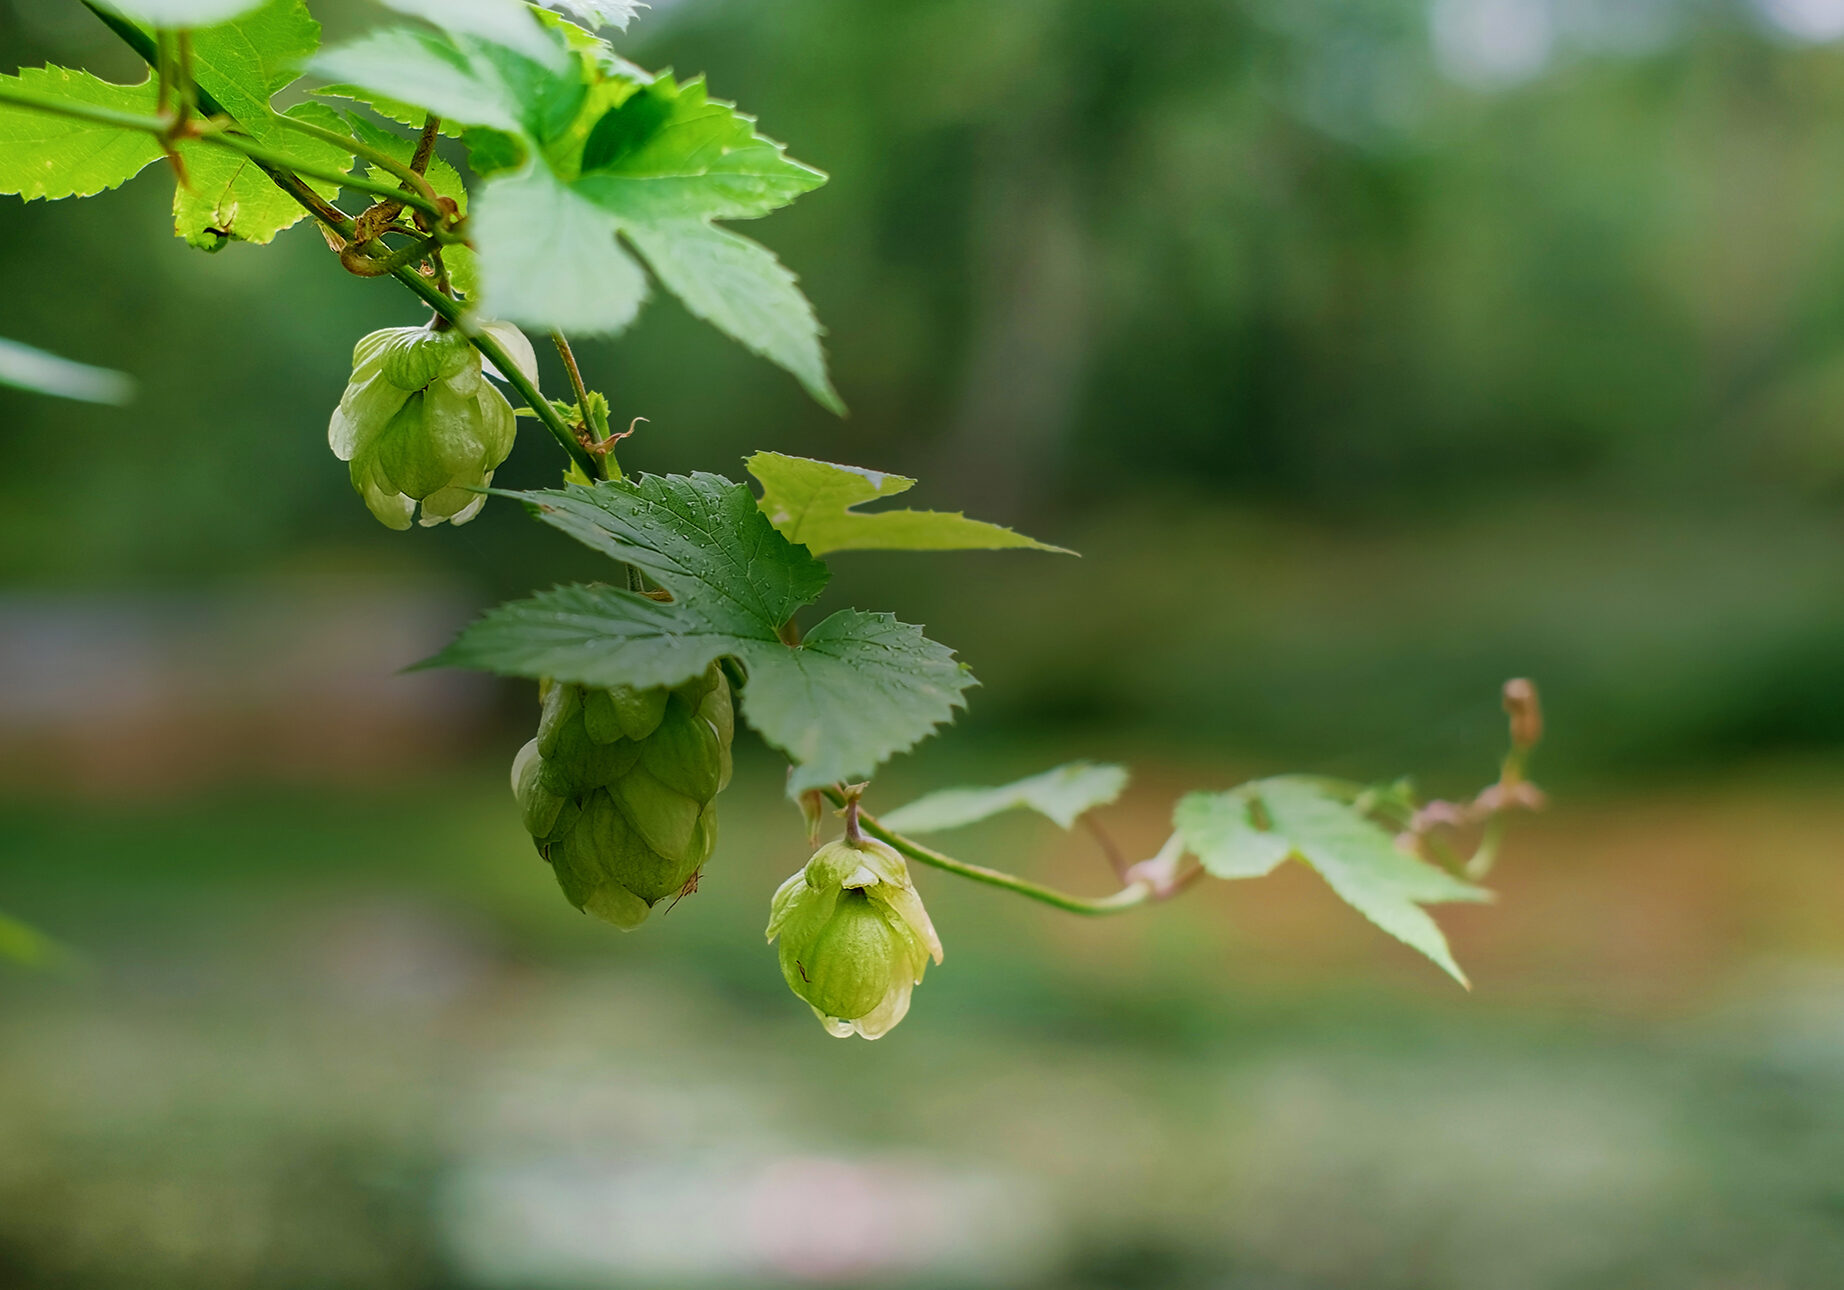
812,503
504,22
228,196
464,81
739,287
49,156
184,13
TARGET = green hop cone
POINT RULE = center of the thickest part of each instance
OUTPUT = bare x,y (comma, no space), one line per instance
618,790
420,422
854,936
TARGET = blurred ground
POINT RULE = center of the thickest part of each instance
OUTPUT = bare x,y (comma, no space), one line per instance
326,1038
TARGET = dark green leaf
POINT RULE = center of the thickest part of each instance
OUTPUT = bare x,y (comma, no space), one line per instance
859,688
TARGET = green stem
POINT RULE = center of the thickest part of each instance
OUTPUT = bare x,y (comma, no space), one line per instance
377,156
362,183
160,126
1132,896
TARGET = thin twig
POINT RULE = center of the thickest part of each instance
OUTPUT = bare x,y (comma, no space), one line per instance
1131,896
1116,860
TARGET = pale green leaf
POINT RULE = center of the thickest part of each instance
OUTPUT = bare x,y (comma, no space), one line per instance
42,155
504,22
26,368
1064,795
548,258
463,80
184,13
857,689
1248,831
600,13
739,287
811,502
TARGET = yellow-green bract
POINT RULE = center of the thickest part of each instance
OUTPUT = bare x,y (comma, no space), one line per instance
855,938
419,422
618,790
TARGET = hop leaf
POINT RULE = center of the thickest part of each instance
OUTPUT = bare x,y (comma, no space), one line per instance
856,689
815,503
1248,831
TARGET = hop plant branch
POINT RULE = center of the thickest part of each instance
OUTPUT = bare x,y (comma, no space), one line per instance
1139,891
163,128
345,228
415,184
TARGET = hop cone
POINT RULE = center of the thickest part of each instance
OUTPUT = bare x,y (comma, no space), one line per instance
855,938
618,790
419,422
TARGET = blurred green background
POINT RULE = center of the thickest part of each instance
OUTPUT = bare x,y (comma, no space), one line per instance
1371,351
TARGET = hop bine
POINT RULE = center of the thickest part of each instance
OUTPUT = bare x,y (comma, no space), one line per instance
420,423
618,790
855,938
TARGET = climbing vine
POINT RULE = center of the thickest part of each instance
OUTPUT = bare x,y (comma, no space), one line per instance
519,177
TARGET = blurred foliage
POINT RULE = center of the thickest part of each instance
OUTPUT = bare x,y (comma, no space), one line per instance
1364,375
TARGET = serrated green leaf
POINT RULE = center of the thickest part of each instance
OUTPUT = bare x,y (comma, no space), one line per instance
245,64
670,152
667,161
240,64
857,689
594,153
228,196
26,368
1247,831
550,259
463,80
739,287
812,503
53,157
1064,795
